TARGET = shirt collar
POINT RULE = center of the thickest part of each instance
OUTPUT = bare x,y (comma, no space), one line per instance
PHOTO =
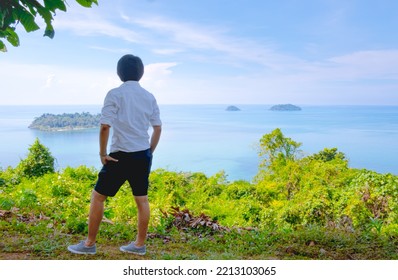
131,83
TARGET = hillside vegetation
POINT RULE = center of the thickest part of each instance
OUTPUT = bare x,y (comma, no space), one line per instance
61,122
312,207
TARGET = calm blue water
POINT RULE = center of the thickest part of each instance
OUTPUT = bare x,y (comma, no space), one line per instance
208,139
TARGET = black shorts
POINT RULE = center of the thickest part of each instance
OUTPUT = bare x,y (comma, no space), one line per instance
132,167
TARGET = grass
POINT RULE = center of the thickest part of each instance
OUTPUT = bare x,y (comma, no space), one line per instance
38,241
41,216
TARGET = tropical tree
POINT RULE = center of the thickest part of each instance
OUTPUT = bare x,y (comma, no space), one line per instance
38,162
329,154
13,12
279,162
276,150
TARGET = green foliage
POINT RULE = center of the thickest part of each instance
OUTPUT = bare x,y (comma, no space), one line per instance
372,199
276,150
314,200
328,155
38,162
322,190
6,203
9,177
25,12
319,189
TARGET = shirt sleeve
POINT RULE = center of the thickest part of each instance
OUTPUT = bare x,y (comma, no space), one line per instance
109,110
155,118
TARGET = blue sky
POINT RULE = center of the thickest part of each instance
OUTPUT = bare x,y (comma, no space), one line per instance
320,52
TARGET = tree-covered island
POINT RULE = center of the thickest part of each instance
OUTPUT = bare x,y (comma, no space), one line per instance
285,107
63,122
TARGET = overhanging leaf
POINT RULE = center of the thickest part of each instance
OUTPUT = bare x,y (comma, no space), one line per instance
46,15
2,17
27,20
53,5
12,37
33,6
3,47
49,33
13,12
87,3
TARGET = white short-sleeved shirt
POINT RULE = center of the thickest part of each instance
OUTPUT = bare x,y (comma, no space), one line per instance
130,110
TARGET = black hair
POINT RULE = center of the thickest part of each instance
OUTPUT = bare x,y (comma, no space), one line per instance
130,68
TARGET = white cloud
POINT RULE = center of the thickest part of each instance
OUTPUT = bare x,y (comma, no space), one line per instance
51,84
111,50
157,76
89,22
338,80
381,64
167,51
169,37
269,75
186,36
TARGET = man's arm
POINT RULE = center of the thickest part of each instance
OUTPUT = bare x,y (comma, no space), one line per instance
157,130
103,143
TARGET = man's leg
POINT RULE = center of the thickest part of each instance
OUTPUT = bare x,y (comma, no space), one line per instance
95,216
143,219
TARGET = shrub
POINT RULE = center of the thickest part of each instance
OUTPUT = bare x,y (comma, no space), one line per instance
38,162
373,199
6,203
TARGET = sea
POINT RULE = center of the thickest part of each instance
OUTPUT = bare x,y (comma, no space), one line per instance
210,139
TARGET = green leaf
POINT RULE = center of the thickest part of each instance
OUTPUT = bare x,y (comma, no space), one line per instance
33,6
46,15
53,5
3,47
49,33
10,18
87,3
2,17
12,37
27,20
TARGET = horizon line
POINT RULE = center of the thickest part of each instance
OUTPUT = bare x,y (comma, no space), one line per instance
204,104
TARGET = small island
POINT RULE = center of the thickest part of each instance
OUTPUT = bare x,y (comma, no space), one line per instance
285,107
65,122
232,108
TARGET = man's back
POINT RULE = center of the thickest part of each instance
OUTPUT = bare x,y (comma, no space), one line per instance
130,110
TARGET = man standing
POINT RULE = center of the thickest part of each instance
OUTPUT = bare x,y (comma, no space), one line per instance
130,110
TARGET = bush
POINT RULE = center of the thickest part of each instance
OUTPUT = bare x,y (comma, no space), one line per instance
372,199
38,162
294,193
